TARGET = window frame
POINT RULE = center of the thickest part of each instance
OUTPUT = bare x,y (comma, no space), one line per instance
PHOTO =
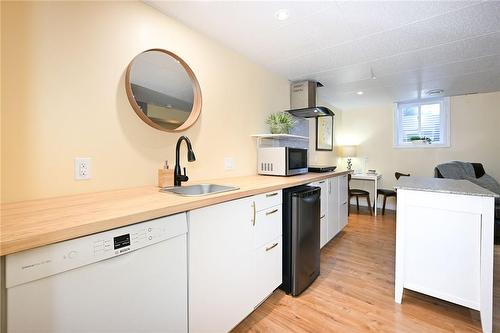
445,123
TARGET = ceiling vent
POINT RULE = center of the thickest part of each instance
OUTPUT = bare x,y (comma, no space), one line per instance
434,92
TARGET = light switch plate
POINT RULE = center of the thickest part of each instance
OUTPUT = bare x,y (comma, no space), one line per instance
228,163
83,168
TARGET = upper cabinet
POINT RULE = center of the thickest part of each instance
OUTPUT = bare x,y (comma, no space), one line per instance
163,90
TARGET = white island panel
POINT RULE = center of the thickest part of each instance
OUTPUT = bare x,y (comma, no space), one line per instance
444,243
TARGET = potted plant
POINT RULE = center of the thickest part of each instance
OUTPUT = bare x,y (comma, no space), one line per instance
281,122
420,139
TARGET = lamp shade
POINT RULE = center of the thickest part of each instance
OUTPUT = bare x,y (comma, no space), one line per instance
348,151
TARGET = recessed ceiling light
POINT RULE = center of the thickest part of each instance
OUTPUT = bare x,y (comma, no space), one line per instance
282,14
434,92
360,93
373,74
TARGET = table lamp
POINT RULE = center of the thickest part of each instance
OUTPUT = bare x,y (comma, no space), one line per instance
349,152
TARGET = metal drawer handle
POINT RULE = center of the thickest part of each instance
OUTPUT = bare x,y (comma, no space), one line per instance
271,194
272,212
271,247
321,182
254,213
322,216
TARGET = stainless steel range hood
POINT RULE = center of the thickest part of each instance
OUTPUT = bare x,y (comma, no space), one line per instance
303,100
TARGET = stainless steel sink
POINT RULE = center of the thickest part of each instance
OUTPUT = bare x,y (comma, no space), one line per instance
199,190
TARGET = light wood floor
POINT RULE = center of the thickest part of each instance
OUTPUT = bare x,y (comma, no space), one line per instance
355,292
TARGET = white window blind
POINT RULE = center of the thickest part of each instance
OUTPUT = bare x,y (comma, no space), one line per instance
426,119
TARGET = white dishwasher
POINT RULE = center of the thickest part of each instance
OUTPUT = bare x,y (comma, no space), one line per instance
130,279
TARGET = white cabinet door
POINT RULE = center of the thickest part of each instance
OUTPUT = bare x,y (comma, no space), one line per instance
323,184
323,232
324,195
333,208
221,265
268,272
343,201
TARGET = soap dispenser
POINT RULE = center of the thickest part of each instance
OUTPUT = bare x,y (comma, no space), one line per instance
165,176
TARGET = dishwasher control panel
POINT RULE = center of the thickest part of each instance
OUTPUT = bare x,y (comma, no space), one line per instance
47,260
138,236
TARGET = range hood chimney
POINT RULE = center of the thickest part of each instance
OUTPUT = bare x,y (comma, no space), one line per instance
303,100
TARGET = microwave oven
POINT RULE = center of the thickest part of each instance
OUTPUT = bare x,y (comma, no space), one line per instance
281,161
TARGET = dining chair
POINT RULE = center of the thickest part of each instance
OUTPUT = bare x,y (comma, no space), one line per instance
354,192
387,193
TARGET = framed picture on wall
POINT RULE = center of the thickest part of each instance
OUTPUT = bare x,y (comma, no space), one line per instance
324,133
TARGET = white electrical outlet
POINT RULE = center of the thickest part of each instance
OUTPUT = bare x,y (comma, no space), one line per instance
228,163
83,168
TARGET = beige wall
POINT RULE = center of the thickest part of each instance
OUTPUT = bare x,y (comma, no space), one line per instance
474,122
63,66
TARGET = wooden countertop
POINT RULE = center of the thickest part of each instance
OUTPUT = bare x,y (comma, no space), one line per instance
28,224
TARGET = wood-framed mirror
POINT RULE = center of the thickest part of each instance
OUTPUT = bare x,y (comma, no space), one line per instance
163,90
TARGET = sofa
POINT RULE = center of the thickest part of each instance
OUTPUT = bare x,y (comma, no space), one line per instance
479,172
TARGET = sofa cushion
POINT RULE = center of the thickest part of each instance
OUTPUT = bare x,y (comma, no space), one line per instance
456,170
487,182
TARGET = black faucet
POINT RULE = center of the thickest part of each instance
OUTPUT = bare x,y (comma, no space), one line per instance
178,177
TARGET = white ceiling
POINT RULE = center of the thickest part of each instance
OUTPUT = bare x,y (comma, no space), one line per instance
412,46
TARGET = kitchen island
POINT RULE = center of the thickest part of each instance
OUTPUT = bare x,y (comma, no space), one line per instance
444,242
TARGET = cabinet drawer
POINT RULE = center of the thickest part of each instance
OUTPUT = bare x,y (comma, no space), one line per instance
267,225
268,269
266,200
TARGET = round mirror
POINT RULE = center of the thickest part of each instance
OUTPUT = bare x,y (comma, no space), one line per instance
163,90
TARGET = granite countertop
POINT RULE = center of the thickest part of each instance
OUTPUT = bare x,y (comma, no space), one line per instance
443,185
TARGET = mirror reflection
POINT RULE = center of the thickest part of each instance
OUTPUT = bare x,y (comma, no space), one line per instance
163,90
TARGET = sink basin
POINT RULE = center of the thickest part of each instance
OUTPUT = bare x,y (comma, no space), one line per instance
199,190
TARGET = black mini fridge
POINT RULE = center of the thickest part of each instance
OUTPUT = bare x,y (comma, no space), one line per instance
301,245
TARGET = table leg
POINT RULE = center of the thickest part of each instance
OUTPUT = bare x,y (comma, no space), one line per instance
375,195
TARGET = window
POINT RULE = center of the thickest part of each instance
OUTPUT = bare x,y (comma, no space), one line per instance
423,124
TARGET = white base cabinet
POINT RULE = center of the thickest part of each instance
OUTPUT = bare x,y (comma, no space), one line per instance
333,207
444,248
343,201
323,239
221,268
235,260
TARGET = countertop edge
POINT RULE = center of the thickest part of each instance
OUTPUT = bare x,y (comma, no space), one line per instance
423,184
30,241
